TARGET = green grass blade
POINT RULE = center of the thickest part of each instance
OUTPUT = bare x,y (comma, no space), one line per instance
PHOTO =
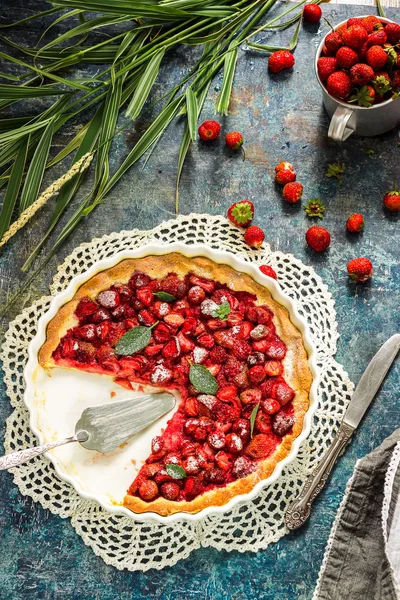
35,172
144,86
13,187
13,92
191,105
130,10
381,11
14,122
292,44
45,13
227,82
109,121
64,16
16,134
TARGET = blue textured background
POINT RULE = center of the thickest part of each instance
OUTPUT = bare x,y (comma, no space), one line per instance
281,117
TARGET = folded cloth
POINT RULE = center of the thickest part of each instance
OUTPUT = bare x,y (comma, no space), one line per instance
362,557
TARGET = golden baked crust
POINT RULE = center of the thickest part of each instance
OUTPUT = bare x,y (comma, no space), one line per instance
297,371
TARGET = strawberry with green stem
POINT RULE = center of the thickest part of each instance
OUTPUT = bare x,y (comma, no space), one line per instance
234,141
365,96
391,200
241,213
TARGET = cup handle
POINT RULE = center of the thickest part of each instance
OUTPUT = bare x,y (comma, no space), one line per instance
338,129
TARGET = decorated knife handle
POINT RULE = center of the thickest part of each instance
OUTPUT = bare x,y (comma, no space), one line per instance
17,458
299,511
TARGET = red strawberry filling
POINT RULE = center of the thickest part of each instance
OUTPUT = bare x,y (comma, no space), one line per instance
208,439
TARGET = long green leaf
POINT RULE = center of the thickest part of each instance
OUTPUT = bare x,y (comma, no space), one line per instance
227,82
191,105
64,16
13,92
292,44
45,13
144,86
36,169
138,10
381,10
14,123
13,187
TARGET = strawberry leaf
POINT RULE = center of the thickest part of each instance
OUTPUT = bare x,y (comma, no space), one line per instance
175,471
202,379
335,170
253,417
134,340
222,311
164,296
314,208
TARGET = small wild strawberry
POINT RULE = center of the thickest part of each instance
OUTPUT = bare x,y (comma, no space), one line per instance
392,31
318,238
285,176
333,41
371,23
376,57
269,271
326,65
241,213
279,60
234,141
355,36
361,73
355,223
360,269
391,200
283,166
339,85
312,13
254,236
346,57
209,130
292,192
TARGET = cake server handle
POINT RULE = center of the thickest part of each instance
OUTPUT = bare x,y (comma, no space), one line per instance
299,511
9,461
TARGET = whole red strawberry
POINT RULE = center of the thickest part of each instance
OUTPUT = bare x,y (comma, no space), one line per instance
353,21
346,57
326,65
355,37
377,37
312,13
318,238
376,57
391,200
392,31
360,269
333,41
292,192
361,73
282,59
371,23
355,223
269,271
254,236
209,130
283,165
241,213
396,81
339,85
234,140
285,176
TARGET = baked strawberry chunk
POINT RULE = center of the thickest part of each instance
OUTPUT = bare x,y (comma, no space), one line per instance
209,442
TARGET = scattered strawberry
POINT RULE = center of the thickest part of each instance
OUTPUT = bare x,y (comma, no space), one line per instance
361,73
209,130
371,23
392,31
391,200
365,96
292,192
285,176
355,37
312,13
376,38
326,65
254,236
355,223
376,57
339,85
241,213
318,238
346,57
333,41
314,208
279,60
284,166
269,271
360,269
234,140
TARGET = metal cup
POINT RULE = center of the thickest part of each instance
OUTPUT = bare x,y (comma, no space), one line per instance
361,120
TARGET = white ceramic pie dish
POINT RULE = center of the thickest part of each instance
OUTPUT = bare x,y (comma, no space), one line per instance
56,399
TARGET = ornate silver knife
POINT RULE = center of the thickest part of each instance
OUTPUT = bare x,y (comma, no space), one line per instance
370,382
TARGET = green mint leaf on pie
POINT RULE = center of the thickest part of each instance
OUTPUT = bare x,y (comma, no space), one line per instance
253,418
164,296
202,379
222,311
175,471
336,170
134,340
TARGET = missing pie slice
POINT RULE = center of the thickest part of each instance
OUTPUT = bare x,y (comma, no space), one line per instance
215,446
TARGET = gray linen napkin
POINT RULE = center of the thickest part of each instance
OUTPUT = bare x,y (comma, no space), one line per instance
364,546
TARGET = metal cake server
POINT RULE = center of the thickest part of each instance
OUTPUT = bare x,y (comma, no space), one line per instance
370,382
105,427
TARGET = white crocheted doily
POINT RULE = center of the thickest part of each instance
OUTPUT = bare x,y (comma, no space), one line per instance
119,540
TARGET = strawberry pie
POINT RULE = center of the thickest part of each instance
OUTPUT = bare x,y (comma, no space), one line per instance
219,339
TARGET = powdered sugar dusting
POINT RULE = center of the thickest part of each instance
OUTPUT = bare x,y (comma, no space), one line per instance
208,400
160,374
208,306
199,354
163,309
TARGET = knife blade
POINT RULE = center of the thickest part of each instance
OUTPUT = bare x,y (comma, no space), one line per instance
370,382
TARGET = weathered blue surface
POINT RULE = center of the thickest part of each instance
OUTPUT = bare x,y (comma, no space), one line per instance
281,117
